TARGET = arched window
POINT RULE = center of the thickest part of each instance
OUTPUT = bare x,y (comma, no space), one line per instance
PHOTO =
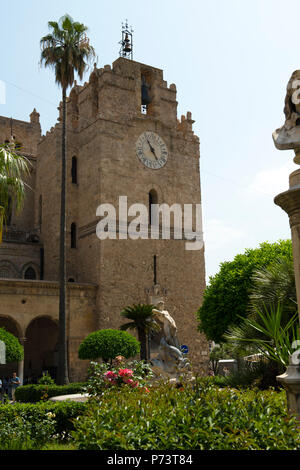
153,199
30,273
74,170
5,273
8,270
73,235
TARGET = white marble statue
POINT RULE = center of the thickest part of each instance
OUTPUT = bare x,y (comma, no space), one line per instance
168,324
170,360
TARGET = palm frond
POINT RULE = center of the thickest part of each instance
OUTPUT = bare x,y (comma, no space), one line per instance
13,170
67,50
128,326
267,334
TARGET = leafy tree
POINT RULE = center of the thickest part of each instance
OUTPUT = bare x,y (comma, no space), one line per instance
108,344
226,299
142,320
14,351
13,169
272,322
67,50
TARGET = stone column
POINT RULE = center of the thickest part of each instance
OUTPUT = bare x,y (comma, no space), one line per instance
20,372
289,201
287,138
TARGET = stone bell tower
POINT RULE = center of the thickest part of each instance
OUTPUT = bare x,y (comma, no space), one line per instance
124,139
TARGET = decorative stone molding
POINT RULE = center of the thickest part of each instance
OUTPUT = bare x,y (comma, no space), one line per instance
289,201
10,268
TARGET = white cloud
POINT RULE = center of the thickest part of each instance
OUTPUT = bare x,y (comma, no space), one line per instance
217,234
272,181
222,243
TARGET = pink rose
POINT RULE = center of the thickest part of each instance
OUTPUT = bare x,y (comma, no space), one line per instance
128,381
125,372
110,375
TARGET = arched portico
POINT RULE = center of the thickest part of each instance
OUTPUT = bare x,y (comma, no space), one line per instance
12,326
40,348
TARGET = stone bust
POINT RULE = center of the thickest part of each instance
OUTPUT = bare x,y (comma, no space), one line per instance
288,136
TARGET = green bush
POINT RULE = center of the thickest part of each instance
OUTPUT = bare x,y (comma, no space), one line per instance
261,375
46,379
107,344
30,426
201,416
226,298
14,351
34,393
102,376
23,434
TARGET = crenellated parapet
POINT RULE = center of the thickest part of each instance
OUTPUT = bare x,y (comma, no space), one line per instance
117,93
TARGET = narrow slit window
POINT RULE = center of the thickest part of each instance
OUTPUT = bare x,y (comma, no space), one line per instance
73,235
74,170
153,199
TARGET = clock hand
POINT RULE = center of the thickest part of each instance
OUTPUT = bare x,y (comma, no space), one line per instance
152,149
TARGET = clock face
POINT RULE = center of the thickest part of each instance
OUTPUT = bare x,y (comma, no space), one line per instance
151,150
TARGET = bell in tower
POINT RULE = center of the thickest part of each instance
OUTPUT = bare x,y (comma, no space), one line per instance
145,92
126,42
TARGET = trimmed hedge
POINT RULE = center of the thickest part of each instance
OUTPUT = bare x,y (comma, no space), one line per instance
35,393
107,344
192,417
64,413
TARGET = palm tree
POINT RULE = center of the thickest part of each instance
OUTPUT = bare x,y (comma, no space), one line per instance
271,325
143,321
268,334
13,169
67,50
275,284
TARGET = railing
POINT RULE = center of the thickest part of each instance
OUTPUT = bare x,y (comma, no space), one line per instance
12,235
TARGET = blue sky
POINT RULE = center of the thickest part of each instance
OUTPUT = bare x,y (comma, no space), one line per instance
231,61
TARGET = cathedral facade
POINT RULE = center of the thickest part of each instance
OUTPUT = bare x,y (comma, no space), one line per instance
123,140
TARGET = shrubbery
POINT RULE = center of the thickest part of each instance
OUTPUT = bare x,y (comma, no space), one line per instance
13,349
120,373
34,393
261,375
30,426
107,344
226,299
195,416
201,416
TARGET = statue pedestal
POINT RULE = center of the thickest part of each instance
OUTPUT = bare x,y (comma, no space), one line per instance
290,380
289,201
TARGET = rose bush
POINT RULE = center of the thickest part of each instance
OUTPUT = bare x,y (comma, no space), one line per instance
103,376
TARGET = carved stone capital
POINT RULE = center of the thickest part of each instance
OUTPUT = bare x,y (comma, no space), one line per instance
289,201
